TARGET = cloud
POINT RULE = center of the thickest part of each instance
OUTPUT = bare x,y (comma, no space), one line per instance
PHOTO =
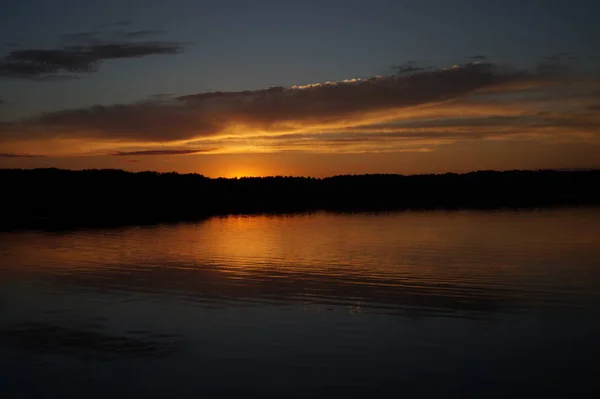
83,53
39,64
100,36
275,109
557,56
161,152
408,67
9,155
144,33
478,57
402,112
410,136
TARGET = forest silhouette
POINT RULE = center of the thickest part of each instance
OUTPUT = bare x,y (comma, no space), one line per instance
55,198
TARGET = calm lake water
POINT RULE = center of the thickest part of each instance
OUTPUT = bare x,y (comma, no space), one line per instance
410,304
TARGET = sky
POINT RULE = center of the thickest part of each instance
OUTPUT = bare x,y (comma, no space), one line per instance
300,87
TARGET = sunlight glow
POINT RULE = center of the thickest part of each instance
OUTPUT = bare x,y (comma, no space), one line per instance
242,171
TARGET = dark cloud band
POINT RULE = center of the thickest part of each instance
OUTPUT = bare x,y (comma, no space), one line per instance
84,54
274,109
11,155
160,152
390,113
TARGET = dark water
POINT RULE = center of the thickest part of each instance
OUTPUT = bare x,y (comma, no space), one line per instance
413,304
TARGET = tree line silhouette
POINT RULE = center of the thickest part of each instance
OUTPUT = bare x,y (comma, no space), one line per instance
40,198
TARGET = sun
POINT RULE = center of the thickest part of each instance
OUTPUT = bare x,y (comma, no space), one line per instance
242,172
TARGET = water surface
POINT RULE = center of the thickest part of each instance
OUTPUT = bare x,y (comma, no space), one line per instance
416,304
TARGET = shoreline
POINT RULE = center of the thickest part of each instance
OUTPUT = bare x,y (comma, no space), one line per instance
47,199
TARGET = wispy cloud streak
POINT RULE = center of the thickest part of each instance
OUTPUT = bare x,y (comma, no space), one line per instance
160,152
10,155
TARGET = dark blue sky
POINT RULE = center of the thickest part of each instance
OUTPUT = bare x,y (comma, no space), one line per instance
239,44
